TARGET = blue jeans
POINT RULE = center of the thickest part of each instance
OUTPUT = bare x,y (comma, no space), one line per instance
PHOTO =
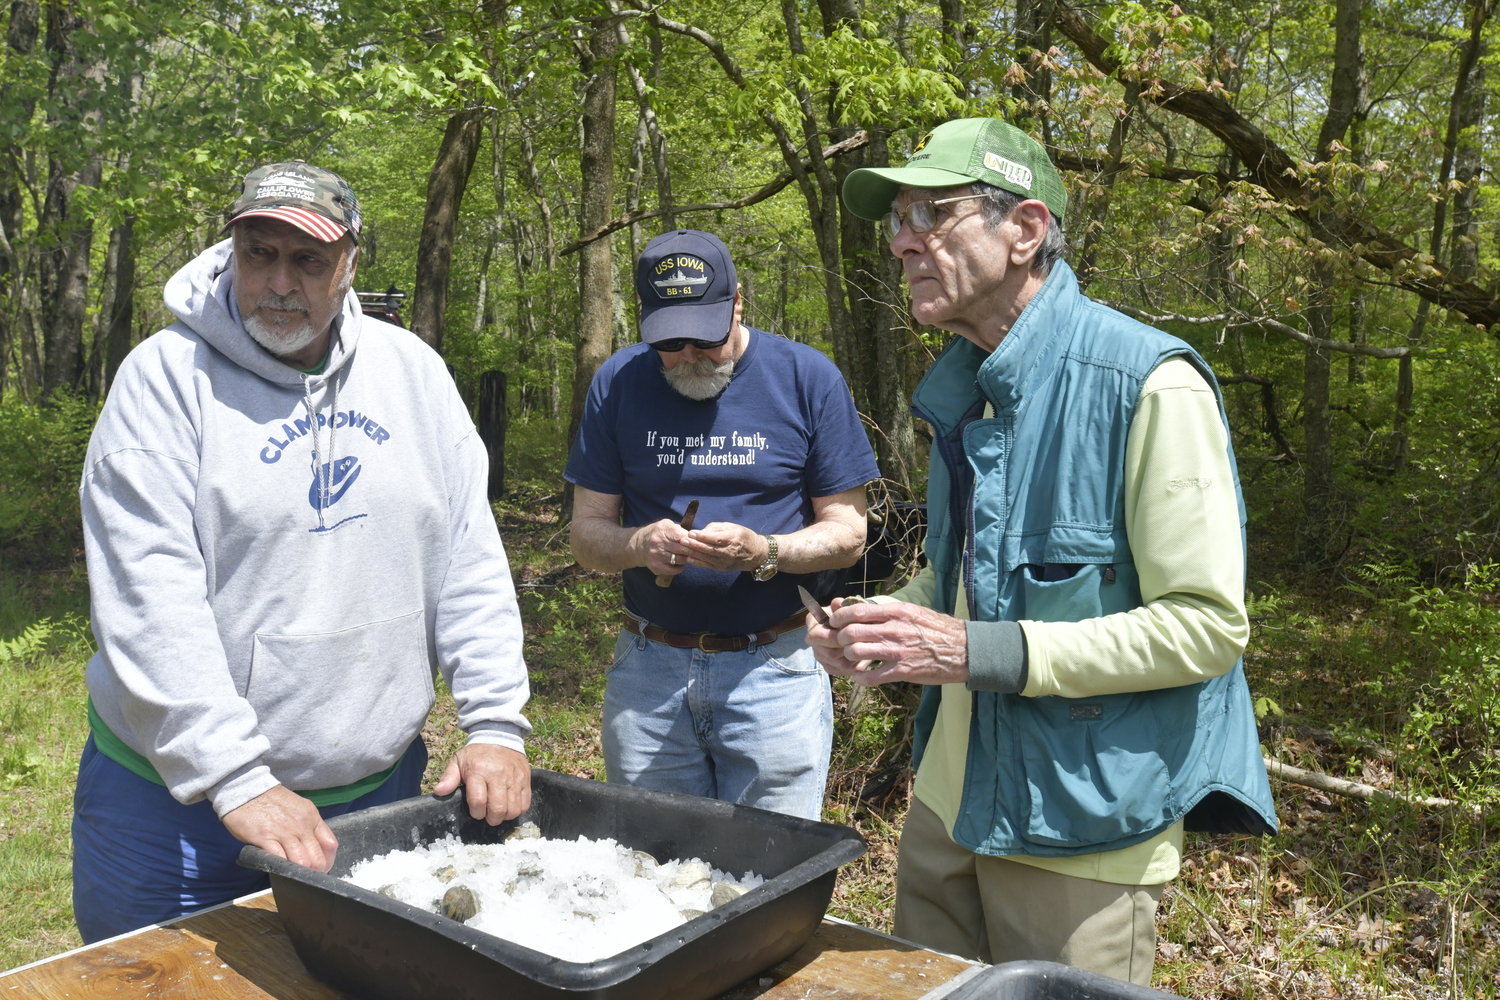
140,857
753,727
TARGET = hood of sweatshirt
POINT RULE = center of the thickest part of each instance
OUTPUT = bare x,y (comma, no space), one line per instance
199,296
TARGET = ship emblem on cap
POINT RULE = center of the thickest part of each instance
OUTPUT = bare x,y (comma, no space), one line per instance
681,276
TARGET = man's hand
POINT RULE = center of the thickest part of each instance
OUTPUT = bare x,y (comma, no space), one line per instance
283,823
661,547
496,780
912,643
726,546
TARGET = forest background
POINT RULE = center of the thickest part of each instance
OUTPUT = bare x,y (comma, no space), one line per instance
1303,190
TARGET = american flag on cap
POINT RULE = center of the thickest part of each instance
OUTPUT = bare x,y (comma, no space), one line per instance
319,202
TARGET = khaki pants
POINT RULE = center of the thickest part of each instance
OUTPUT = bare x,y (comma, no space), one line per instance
997,910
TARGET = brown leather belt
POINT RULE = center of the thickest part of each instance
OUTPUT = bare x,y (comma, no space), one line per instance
713,642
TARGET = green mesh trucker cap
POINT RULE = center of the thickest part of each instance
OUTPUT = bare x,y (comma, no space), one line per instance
961,152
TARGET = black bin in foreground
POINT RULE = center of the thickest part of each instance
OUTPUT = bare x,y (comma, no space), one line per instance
1049,981
378,948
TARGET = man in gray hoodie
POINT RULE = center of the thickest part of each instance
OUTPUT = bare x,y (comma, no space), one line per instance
287,537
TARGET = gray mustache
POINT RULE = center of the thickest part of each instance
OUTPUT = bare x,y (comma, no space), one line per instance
283,303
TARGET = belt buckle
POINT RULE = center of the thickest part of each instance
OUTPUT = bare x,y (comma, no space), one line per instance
701,647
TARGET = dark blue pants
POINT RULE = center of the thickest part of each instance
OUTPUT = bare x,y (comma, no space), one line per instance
140,857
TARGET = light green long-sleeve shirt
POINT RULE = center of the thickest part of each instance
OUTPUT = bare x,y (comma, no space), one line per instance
1182,521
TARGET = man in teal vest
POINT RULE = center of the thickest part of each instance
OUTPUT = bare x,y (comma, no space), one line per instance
1080,622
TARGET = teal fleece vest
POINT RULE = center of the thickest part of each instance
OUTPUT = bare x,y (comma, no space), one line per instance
1043,482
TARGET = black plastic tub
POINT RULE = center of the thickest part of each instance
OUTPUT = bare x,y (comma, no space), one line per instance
1049,981
375,947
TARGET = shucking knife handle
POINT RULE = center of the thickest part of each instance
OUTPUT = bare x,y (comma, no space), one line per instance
665,579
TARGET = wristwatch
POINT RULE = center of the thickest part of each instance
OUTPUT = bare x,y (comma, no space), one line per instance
767,569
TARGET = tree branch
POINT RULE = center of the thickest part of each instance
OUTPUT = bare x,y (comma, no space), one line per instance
1273,169
1267,323
732,70
1268,405
1352,789
855,141
1097,165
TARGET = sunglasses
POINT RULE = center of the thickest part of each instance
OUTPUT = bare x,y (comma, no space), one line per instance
682,343
921,214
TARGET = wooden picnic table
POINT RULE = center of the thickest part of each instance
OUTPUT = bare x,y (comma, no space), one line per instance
240,951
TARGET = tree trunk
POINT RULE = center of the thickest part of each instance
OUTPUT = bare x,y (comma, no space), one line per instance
956,37
122,304
595,262
534,183
1463,250
652,127
781,297
1358,315
20,38
1093,227
64,264
116,309
493,420
1406,386
1348,73
31,349
633,186
821,193
620,330
1406,391
65,278
445,193
1317,429
1034,90
876,289
528,395
9,265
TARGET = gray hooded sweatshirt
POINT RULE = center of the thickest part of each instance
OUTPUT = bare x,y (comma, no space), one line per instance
266,616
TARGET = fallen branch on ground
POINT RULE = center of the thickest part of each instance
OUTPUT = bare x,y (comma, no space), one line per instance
1354,789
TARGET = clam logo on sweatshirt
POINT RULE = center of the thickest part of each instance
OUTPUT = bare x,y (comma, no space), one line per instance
329,481
345,471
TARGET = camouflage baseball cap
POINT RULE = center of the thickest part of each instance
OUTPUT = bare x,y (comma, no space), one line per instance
961,152
319,202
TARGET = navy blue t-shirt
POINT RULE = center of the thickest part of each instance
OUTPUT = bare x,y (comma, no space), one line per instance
783,432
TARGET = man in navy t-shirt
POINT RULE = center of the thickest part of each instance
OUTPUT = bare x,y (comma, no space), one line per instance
712,690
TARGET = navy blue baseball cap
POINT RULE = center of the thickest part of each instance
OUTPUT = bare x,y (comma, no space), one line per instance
686,282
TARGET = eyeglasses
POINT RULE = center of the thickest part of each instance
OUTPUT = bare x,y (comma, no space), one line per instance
682,343
921,214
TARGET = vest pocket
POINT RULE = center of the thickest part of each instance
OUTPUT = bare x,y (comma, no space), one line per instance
1099,769
338,706
1065,598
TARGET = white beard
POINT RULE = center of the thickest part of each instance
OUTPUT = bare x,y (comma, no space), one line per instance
703,379
280,341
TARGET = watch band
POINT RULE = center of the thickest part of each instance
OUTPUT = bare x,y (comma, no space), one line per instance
767,569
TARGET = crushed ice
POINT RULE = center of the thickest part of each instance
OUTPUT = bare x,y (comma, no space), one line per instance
579,900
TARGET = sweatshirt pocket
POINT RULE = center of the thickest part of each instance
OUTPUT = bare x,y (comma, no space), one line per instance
338,706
